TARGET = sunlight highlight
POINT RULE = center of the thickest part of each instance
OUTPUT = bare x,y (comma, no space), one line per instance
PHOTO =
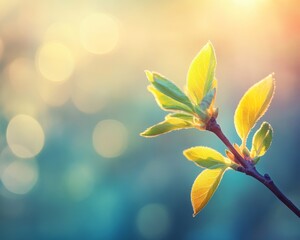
110,138
20,176
22,74
55,61
1,48
99,33
90,93
53,93
248,3
25,136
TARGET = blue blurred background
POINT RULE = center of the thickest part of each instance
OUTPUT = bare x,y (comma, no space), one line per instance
74,100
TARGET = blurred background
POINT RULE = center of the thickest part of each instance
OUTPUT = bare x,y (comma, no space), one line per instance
74,100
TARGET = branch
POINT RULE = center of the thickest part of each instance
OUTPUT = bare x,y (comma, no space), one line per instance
247,167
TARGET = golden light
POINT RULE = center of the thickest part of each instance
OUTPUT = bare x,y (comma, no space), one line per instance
67,33
16,104
19,93
110,138
1,48
99,33
90,93
55,61
248,3
61,31
22,74
25,136
53,93
20,177
7,6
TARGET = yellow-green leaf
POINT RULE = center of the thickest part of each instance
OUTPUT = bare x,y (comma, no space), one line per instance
204,187
168,125
262,140
208,99
206,157
183,116
205,109
167,103
201,74
168,88
253,106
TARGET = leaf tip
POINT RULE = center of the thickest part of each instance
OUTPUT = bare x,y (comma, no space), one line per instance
188,153
272,75
142,134
149,76
211,46
146,134
185,153
209,43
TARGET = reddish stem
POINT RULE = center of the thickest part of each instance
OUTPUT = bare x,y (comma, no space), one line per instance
248,167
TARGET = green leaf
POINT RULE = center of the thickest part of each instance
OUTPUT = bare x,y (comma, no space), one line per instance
262,140
185,117
204,187
168,88
253,106
168,125
167,103
205,110
201,74
208,99
207,157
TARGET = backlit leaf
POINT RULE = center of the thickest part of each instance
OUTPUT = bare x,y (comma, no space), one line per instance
206,157
185,117
167,103
205,109
262,140
208,99
201,74
168,125
204,187
252,106
168,88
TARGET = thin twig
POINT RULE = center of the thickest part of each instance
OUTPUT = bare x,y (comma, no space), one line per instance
248,167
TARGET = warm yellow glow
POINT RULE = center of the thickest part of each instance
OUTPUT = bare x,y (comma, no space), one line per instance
66,33
19,177
22,74
19,91
247,3
25,136
55,61
1,48
7,6
16,104
99,33
90,93
54,94
61,31
110,138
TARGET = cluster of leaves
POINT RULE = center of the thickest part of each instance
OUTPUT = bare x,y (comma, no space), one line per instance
195,109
